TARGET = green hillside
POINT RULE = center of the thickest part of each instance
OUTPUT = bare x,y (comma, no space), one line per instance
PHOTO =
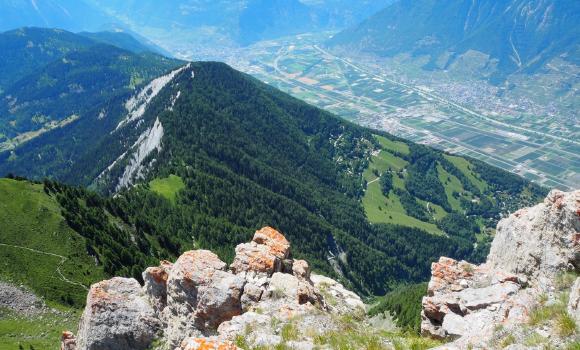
465,204
38,248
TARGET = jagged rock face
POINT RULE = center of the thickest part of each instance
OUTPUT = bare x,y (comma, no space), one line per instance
337,298
117,316
466,299
532,247
197,303
541,241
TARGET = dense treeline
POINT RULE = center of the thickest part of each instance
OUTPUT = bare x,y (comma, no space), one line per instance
459,225
423,181
412,207
386,182
404,304
119,244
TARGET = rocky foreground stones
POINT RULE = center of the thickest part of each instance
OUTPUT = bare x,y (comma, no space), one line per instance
199,303
532,247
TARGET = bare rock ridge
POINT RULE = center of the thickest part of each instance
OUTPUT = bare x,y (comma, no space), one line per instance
467,304
199,303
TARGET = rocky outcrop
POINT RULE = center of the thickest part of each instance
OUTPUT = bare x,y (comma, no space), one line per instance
117,316
198,303
467,303
20,300
264,255
540,242
155,279
200,295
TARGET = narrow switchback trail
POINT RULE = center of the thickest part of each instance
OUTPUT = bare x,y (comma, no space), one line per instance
62,260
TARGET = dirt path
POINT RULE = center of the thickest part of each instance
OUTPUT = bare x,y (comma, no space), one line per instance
62,260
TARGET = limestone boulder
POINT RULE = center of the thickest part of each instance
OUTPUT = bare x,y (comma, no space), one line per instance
200,295
292,289
117,316
337,298
219,301
256,258
301,269
274,240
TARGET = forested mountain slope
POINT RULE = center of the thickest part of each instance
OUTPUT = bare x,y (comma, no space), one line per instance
25,50
204,155
515,35
55,78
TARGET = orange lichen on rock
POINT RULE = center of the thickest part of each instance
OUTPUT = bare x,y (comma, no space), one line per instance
278,244
447,272
198,266
206,344
264,254
68,341
105,293
158,274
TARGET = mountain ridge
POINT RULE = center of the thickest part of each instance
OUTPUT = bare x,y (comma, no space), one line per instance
520,35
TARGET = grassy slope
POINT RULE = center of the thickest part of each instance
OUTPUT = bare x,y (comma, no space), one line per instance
465,167
42,332
451,184
388,209
31,219
167,187
381,209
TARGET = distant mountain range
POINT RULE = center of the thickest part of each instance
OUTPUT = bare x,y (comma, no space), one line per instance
74,15
220,22
512,36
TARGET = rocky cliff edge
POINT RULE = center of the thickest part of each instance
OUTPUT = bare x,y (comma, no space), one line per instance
526,295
